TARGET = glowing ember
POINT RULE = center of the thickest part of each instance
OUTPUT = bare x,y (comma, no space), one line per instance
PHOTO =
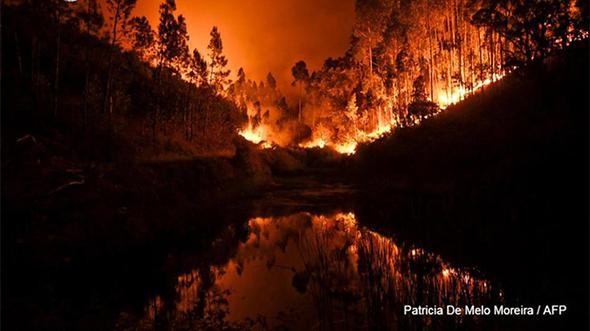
342,148
256,135
349,146
346,148
252,135
320,142
446,99
445,273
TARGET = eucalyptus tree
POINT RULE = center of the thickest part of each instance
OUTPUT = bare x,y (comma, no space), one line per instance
120,12
301,79
218,73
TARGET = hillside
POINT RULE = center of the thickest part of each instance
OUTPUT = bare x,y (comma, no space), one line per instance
499,179
524,121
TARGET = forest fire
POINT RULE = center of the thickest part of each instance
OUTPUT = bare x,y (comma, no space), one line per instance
200,167
261,134
258,135
396,74
446,99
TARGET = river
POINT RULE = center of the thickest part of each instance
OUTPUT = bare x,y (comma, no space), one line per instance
312,253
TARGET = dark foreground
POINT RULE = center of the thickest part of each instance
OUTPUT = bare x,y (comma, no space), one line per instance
314,261
485,205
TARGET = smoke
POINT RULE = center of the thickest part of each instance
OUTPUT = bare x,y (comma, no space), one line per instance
267,35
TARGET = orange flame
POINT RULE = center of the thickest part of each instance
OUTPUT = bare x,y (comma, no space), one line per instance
258,135
262,134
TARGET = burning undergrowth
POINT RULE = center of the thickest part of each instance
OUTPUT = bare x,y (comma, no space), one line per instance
407,62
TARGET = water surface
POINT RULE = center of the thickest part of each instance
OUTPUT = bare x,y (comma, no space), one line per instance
311,271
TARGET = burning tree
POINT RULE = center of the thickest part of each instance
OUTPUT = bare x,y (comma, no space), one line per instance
300,78
408,60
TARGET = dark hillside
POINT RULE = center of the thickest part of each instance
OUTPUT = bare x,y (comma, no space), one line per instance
533,113
499,180
54,77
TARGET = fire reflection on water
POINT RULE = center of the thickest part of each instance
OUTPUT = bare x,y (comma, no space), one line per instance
315,271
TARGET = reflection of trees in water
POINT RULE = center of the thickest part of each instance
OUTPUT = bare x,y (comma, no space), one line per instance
392,277
330,269
359,278
199,304
356,278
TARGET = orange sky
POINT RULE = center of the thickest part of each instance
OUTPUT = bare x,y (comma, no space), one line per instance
266,35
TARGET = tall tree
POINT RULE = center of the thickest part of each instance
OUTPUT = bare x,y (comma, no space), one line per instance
218,74
198,69
301,78
92,21
120,11
172,37
172,50
60,13
143,37
198,75
271,81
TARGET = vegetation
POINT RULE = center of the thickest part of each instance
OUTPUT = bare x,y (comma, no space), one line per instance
121,145
500,179
153,101
102,70
409,59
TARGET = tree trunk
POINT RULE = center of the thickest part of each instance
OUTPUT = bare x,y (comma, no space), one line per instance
370,60
107,102
492,58
86,93
481,77
35,69
56,73
300,115
187,111
430,70
206,120
157,98
19,58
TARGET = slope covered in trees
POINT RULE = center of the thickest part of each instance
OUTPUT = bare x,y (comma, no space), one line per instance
501,179
84,85
100,72
100,69
409,60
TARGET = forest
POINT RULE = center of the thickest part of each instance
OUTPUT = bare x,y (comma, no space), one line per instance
95,67
150,184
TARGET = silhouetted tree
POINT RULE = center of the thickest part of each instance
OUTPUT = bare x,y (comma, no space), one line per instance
120,11
143,37
172,50
241,76
60,13
271,81
172,41
218,74
93,21
420,106
198,69
301,77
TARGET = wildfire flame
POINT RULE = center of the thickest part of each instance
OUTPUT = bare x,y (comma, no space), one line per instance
258,135
262,134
